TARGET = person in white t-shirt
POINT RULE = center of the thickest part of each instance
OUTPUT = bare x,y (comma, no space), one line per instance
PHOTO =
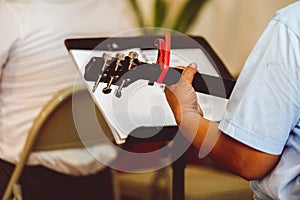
34,65
259,135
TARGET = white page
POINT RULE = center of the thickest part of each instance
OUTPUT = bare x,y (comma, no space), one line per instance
182,57
144,105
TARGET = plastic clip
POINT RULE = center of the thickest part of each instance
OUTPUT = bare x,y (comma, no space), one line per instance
163,57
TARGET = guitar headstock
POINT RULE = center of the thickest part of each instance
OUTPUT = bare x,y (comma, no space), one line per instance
120,70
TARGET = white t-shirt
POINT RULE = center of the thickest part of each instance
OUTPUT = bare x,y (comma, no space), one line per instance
264,109
34,65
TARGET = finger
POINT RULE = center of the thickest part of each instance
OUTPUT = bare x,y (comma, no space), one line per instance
168,93
200,111
172,99
180,67
189,72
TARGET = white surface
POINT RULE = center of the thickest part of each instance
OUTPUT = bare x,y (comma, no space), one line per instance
143,105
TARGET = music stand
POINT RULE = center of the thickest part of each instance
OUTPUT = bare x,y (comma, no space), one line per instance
166,133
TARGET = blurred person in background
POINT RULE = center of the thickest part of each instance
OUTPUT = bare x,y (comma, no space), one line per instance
34,65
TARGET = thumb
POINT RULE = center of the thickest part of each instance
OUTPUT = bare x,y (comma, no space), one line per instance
189,72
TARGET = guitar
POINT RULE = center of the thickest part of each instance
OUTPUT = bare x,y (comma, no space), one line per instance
123,70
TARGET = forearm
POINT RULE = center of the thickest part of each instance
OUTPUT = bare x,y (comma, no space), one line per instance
196,129
237,157
208,139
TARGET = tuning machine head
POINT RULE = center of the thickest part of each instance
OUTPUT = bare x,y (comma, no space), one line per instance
120,56
107,56
107,89
132,55
119,90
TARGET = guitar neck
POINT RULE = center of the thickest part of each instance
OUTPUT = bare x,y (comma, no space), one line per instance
203,83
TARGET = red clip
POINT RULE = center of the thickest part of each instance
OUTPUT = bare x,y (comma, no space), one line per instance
163,57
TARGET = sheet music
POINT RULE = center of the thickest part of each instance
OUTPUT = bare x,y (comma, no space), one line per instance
144,105
182,57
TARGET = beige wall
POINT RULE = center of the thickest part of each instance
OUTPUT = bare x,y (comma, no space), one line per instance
233,26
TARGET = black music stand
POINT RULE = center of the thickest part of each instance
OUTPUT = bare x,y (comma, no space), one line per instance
166,133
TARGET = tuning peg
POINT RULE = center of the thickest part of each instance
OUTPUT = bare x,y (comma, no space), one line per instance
119,90
98,81
132,55
106,57
107,89
120,57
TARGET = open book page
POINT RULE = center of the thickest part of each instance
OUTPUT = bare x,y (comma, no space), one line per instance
144,105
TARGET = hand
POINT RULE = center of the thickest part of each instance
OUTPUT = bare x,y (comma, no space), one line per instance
182,97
